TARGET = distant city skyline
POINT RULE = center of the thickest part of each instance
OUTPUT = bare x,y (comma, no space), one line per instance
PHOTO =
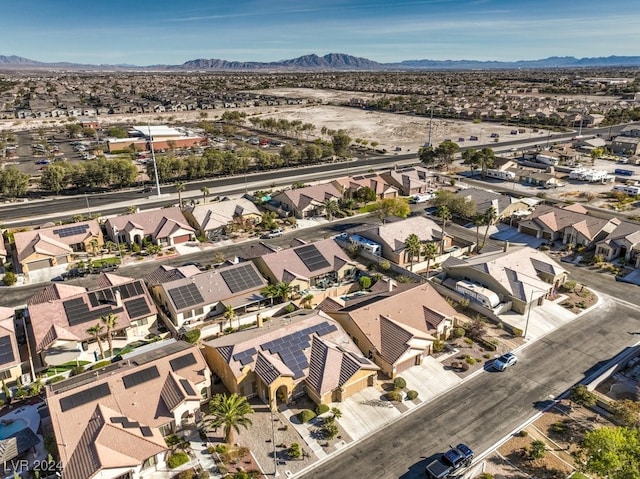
148,32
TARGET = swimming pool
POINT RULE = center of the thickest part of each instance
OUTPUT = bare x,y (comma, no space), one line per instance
7,430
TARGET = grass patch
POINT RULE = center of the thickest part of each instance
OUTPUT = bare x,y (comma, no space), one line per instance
63,368
99,263
367,208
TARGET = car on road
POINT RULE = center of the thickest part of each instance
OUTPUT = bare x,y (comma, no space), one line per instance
450,463
274,233
505,361
105,268
74,273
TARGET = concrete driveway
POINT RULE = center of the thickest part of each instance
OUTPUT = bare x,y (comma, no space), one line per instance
364,413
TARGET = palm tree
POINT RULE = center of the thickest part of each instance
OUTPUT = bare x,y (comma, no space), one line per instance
230,412
179,188
490,217
444,214
478,221
430,251
96,332
331,208
412,247
205,191
284,290
306,301
229,314
110,323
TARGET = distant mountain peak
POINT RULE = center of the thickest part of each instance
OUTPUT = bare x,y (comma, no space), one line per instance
337,61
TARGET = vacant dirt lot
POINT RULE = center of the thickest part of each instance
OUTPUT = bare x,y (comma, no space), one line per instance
390,130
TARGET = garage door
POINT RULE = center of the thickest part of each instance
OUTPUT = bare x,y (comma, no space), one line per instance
40,264
181,239
528,231
403,366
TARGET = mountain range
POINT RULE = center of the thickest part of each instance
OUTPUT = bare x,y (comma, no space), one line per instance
333,62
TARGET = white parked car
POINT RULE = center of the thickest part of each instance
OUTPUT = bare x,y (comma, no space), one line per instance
505,361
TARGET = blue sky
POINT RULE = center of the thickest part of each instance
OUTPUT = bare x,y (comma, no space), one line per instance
146,32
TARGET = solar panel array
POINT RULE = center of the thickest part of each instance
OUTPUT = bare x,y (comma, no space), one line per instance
291,348
78,312
71,230
186,296
6,351
137,308
182,362
83,397
242,278
186,385
245,357
311,257
140,377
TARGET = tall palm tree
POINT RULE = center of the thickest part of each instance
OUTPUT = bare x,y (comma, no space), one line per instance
179,188
478,221
96,332
444,214
205,191
412,247
430,251
229,412
110,322
284,290
490,217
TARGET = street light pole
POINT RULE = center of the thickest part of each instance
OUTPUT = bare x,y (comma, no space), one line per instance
153,157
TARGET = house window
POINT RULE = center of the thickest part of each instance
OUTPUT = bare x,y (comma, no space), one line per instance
166,429
5,374
199,311
188,314
142,322
150,462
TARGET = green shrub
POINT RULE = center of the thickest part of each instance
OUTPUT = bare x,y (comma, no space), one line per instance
290,308
523,433
569,285
177,459
77,370
538,449
517,332
558,427
411,395
321,409
330,430
10,278
439,346
55,379
395,396
172,440
294,451
100,364
203,475
399,383
469,360
222,449
468,341
486,475
457,333
192,336
187,474
305,415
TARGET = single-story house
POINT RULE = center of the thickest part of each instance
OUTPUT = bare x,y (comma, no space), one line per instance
570,225
314,265
308,201
623,242
213,219
396,324
112,423
520,275
207,295
61,314
304,352
46,252
164,227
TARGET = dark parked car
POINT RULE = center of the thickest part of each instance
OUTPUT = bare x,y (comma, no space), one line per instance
106,268
75,273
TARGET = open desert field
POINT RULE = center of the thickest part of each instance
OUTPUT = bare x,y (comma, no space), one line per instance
390,130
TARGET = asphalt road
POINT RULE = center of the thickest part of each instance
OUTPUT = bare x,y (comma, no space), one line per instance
492,405
36,212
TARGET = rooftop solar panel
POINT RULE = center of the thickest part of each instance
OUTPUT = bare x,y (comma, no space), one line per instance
140,377
137,308
188,388
311,257
6,351
71,230
83,397
242,278
186,296
182,362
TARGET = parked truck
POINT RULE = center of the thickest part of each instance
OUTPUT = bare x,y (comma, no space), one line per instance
450,462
